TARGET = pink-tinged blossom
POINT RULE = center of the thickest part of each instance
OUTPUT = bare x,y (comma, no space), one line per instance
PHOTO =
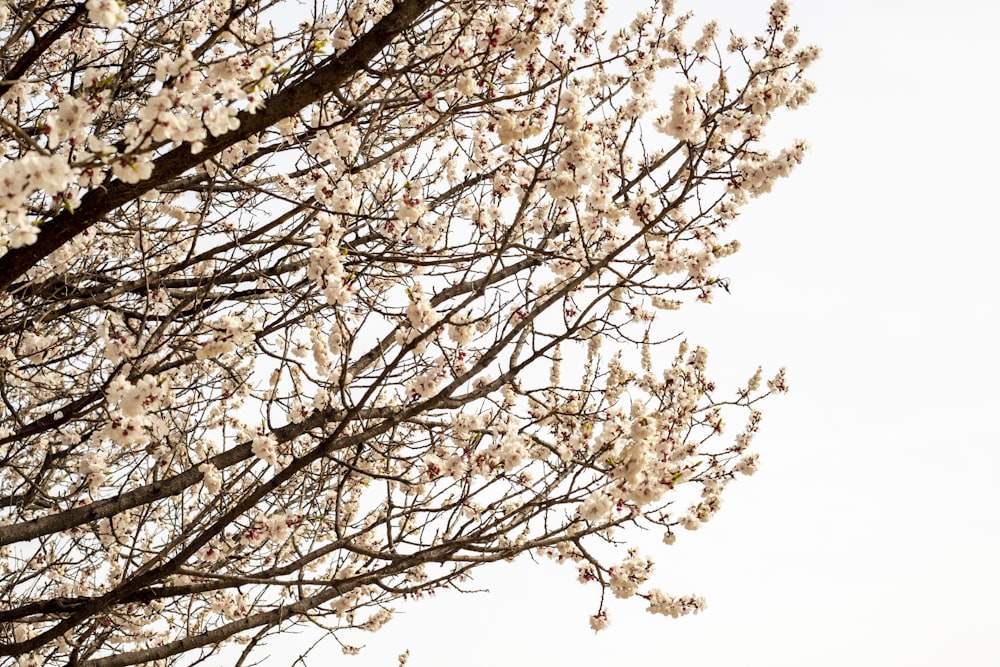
425,385
685,118
21,178
148,393
460,330
70,120
211,477
747,465
779,14
132,169
597,507
377,620
420,312
106,13
93,466
326,266
599,621
228,334
707,39
278,526
629,575
807,56
22,232
265,448
661,603
220,120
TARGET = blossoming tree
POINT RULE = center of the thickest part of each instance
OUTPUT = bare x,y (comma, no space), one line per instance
310,309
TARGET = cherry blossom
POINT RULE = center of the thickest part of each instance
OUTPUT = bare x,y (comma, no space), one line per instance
309,312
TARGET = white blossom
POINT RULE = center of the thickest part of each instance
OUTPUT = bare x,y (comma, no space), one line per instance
107,13
211,477
265,448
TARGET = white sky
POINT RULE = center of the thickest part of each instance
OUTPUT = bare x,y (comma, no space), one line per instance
871,534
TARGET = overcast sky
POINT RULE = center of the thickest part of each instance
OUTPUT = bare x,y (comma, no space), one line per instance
871,534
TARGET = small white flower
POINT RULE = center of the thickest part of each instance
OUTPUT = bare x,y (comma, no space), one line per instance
131,169
106,13
211,477
265,448
24,232
599,621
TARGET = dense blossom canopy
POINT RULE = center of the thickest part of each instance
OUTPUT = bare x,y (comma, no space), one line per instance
309,308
